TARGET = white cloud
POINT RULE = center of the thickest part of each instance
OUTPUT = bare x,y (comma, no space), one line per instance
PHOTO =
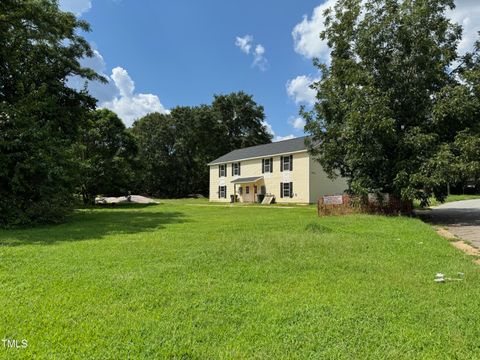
259,59
128,105
467,14
118,94
281,138
278,137
269,127
101,92
306,34
77,7
244,43
123,81
298,123
299,89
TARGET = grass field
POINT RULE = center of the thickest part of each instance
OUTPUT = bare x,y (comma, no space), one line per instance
450,198
185,280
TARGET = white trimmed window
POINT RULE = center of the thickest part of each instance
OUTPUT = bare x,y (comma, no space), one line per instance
286,189
267,165
222,170
286,163
222,192
236,169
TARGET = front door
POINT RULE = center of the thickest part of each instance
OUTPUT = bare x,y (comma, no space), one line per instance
248,193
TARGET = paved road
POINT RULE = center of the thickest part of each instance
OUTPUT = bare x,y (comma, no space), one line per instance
461,218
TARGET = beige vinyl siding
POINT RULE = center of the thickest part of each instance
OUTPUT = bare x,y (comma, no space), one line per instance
321,185
216,181
250,168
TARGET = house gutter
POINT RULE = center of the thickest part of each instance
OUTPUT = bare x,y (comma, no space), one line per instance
257,157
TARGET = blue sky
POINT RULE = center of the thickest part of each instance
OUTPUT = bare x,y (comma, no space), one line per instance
161,54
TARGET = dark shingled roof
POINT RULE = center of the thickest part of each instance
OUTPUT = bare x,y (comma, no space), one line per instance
246,180
279,147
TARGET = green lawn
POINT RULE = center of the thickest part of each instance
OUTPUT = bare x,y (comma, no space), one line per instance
450,198
186,280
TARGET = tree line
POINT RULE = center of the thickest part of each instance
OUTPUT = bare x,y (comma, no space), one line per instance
397,111
398,107
57,148
165,155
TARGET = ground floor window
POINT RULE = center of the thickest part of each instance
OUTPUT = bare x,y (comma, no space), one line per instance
247,189
222,192
286,189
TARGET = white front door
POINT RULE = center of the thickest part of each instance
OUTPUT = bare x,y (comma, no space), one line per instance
248,193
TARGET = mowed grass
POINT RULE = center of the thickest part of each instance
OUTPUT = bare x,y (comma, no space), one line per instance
186,280
450,198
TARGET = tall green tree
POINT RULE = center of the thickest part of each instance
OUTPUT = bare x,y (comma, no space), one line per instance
176,148
393,98
466,147
156,138
107,157
242,121
39,114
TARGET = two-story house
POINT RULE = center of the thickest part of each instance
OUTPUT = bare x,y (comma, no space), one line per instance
283,169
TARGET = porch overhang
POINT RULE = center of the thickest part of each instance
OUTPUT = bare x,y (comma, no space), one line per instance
247,180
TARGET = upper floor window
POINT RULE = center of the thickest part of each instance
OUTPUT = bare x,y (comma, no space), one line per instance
267,165
286,163
222,170
236,169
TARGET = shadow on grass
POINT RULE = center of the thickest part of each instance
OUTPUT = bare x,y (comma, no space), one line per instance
94,224
116,206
